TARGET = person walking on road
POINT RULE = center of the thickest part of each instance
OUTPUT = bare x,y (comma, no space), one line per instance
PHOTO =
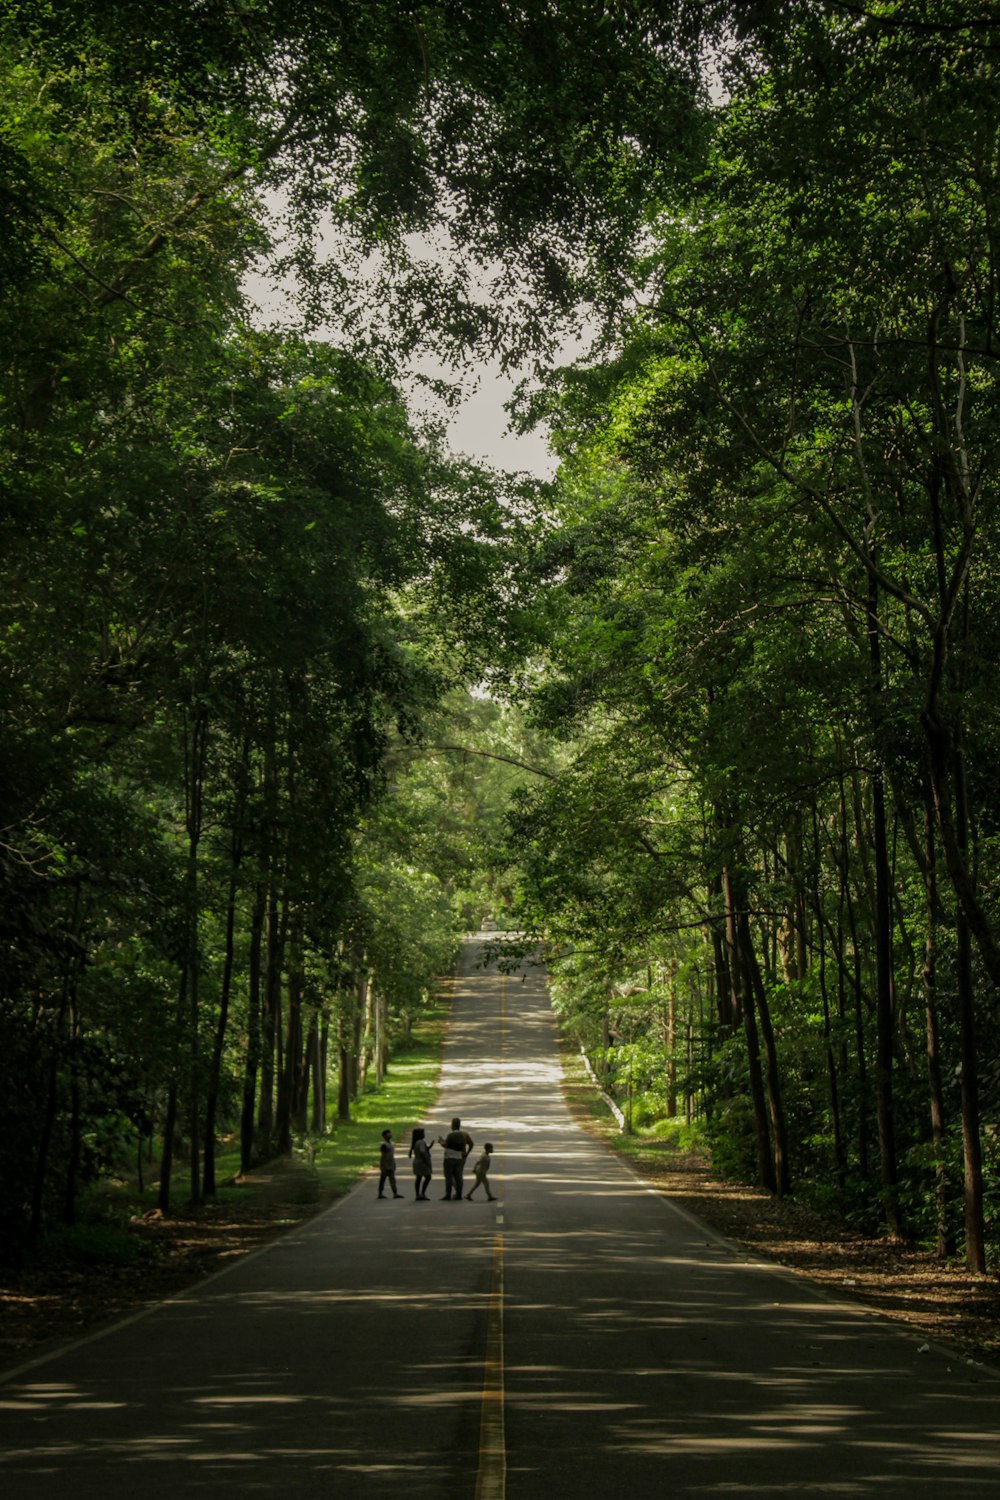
481,1170
421,1154
457,1145
387,1165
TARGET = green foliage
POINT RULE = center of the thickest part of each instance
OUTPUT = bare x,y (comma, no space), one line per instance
402,1101
771,609
756,609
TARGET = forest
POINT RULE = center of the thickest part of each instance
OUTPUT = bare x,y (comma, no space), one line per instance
292,695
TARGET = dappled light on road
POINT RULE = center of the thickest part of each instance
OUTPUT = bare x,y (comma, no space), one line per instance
641,1355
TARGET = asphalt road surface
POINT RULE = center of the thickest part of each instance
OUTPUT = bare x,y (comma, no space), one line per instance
579,1337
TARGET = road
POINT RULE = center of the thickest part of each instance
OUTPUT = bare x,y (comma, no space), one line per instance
580,1337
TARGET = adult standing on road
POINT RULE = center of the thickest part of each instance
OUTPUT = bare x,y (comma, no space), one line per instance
457,1145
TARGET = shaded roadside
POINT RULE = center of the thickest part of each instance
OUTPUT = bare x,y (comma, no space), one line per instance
939,1300
55,1301
48,1306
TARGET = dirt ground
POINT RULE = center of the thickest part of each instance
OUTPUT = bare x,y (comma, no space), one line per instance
51,1306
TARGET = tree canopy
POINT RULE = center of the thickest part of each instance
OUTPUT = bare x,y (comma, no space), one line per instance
736,771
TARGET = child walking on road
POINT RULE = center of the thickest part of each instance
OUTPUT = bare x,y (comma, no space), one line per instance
387,1165
481,1170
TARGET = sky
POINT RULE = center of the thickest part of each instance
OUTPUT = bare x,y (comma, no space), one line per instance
479,429
478,426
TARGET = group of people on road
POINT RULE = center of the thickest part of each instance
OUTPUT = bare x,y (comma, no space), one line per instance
457,1144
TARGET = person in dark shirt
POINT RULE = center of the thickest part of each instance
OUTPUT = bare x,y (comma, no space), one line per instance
387,1165
457,1145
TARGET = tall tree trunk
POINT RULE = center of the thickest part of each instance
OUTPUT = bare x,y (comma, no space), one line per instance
343,1083
742,1000
289,1082
357,1058
305,1074
75,1129
935,1089
221,1026
167,1156
861,1057
318,1065
252,1060
347,1051
196,751
972,1152
884,1017
833,1081
170,1122
66,1006
671,1037
238,816
366,1051
45,1139
381,1034
270,1061
724,991
772,1076
271,985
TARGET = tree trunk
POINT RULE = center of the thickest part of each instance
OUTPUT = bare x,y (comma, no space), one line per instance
343,1083
170,1123
167,1157
318,1065
271,1030
861,1058
972,1152
52,1090
772,1076
724,989
671,1038
368,1022
742,1001
271,969
222,1021
252,1060
833,1081
945,1240
289,1077
196,752
884,1017
75,1134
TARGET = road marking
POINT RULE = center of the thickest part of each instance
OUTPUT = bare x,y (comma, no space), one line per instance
491,1475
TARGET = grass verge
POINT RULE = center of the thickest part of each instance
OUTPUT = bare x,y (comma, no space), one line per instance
124,1254
404,1099
320,1169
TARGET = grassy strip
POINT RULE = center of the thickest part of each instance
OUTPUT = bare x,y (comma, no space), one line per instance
321,1168
645,1146
404,1099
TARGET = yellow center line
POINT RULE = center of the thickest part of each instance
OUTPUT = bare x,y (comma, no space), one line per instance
491,1475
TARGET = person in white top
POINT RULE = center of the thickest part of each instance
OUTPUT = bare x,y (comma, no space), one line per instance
457,1145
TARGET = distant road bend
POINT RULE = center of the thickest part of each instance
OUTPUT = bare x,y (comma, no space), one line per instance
580,1337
